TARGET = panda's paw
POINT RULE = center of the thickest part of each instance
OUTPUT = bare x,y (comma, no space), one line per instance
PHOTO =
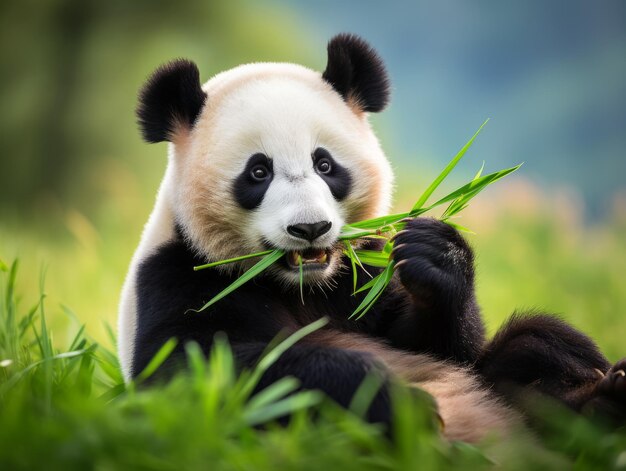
609,397
613,384
433,261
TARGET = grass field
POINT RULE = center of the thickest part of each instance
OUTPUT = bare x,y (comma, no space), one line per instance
63,404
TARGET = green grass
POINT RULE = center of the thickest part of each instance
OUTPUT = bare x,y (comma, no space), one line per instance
67,408
60,411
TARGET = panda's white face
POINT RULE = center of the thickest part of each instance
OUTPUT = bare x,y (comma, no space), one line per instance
277,159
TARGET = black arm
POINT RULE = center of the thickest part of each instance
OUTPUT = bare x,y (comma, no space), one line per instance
436,267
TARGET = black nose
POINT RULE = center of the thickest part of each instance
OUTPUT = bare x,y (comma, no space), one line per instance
309,232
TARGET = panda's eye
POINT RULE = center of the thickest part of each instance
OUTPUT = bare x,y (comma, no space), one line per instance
324,166
259,173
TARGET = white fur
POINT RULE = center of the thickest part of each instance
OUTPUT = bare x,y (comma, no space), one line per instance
285,111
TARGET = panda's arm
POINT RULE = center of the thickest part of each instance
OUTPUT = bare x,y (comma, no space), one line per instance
165,289
435,309
168,293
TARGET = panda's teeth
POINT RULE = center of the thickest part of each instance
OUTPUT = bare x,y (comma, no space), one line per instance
309,256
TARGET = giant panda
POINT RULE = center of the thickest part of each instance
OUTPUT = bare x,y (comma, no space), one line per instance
275,155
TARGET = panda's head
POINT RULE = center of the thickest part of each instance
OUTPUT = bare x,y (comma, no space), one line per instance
272,155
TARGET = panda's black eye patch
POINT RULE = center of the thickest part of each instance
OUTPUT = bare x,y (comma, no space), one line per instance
337,177
251,184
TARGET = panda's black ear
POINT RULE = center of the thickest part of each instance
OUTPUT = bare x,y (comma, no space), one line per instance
357,73
170,101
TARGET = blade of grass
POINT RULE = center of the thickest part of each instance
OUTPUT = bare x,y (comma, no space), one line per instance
274,392
274,354
260,266
289,405
157,360
269,359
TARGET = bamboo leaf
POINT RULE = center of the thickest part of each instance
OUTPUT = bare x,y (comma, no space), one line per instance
475,186
375,291
378,222
259,267
458,227
232,260
373,258
433,186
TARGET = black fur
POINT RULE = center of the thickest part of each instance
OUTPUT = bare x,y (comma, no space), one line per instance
172,97
338,179
429,307
167,288
544,352
435,265
356,71
248,192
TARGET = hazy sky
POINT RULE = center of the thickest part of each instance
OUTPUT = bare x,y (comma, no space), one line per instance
550,75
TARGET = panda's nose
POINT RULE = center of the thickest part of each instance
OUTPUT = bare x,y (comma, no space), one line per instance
309,232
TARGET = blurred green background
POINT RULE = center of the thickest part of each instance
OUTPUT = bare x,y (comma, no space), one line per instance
77,183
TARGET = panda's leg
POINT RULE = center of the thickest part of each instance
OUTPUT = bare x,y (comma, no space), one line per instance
541,353
436,266
336,372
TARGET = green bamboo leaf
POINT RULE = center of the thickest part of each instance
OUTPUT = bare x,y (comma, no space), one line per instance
349,232
260,266
433,186
375,291
475,186
232,260
354,261
375,223
480,171
373,258
458,227
369,284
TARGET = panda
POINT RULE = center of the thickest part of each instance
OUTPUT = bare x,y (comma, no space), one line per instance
275,155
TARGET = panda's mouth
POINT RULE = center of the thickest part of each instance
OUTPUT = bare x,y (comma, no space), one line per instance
309,258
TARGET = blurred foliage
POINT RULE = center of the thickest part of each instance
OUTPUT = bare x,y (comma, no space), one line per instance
71,71
66,408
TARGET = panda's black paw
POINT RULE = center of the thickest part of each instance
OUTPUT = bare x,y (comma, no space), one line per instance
435,264
609,397
614,382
